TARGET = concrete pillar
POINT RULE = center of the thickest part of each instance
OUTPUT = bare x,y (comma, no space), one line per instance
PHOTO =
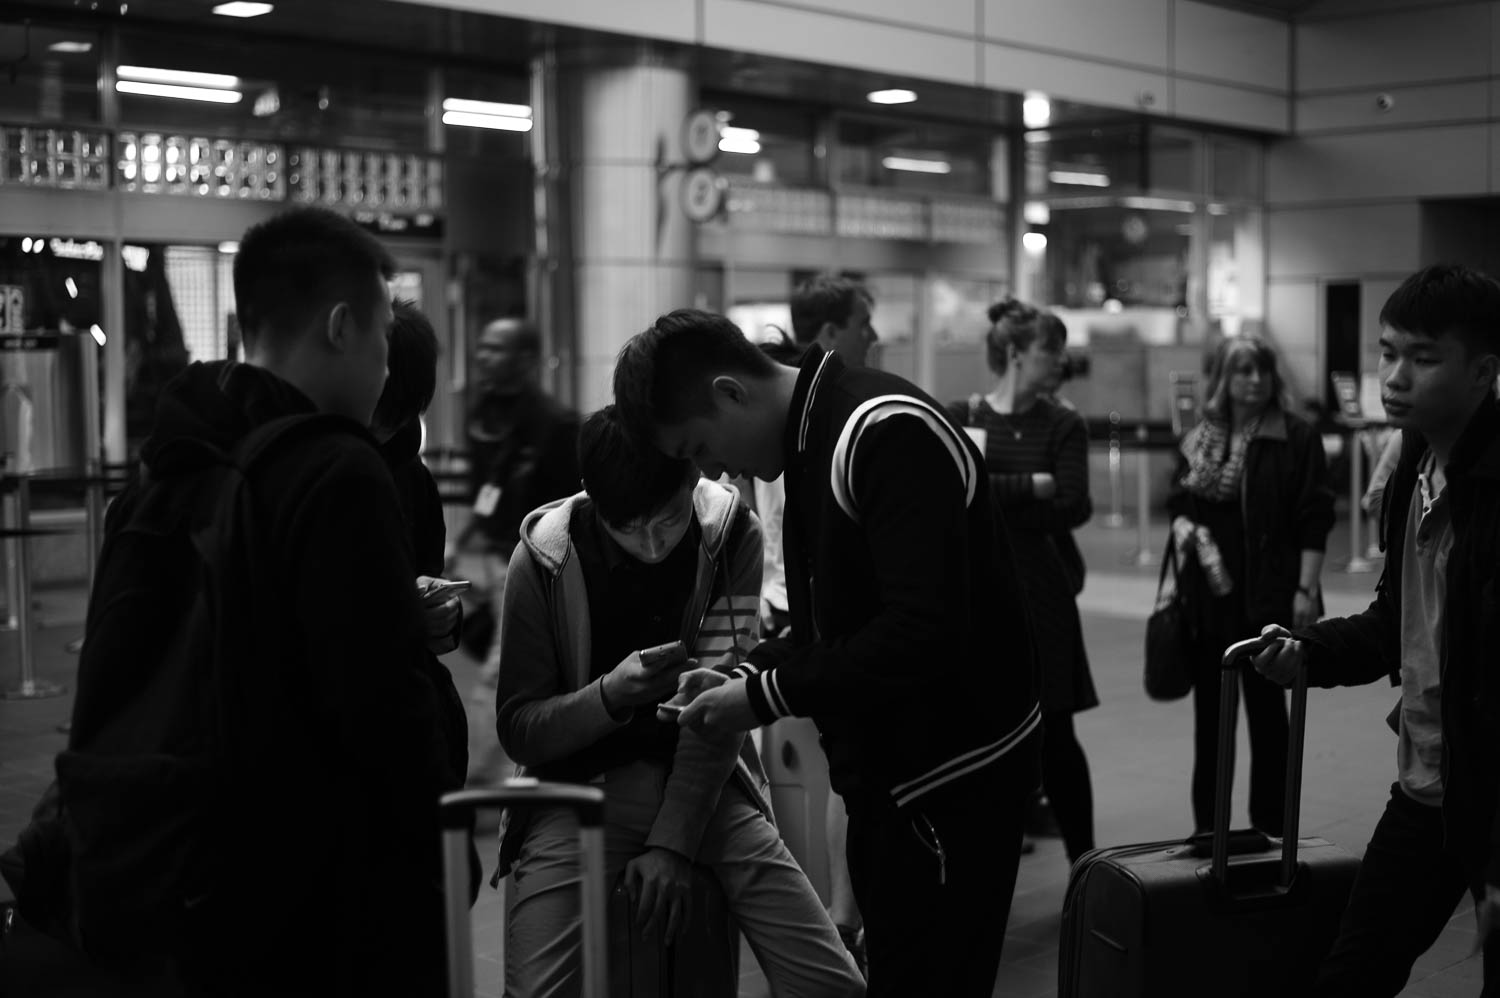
615,249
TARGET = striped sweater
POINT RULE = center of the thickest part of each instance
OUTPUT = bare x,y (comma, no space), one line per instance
912,648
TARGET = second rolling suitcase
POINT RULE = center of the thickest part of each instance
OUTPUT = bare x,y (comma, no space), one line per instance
1237,916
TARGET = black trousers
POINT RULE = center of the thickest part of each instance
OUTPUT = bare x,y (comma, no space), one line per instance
1265,708
936,926
1405,892
1065,778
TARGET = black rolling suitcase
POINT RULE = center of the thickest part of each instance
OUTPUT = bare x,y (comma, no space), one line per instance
1235,915
703,962
458,810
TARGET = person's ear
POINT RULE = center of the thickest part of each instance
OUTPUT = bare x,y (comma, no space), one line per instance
827,336
338,327
731,390
1487,371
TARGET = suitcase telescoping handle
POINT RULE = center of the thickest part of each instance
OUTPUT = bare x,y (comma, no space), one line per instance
457,814
1229,705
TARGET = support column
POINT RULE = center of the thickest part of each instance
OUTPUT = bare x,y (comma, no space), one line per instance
615,249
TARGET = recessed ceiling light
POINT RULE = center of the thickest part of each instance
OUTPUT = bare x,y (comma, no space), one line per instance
242,8
486,107
891,96
151,74
502,122
1036,110
745,141
71,48
181,93
912,164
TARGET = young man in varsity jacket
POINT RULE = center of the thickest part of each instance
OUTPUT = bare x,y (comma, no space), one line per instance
914,652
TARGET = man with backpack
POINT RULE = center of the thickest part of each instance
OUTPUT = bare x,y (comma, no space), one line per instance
249,796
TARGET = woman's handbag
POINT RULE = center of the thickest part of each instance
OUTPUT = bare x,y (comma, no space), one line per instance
1169,634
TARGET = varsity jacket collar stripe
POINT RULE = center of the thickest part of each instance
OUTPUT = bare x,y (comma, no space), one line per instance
879,409
812,394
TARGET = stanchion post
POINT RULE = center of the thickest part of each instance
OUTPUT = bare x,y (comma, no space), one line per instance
1357,560
1115,518
1143,554
29,687
12,571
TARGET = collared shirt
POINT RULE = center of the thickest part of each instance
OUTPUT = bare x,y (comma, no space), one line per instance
1424,589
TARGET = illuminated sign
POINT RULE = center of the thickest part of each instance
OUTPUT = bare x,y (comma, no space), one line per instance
70,249
12,309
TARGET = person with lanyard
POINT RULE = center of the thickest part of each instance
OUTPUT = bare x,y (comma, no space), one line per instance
1251,509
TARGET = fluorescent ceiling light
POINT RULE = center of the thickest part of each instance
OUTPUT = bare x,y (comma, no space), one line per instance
745,141
153,75
1158,204
499,121
487,107
1078,177
891,96
97,334
243,8
1034,242
72,287
71,48
181,93
229,247
1036,110
912,165
1037,213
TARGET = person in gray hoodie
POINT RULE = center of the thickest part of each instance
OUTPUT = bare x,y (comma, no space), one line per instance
647,555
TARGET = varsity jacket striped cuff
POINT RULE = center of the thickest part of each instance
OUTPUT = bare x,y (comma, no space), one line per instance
765,696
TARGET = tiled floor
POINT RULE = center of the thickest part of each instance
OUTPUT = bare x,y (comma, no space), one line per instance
1140,753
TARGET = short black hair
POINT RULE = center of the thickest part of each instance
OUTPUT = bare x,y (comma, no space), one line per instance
411,367
524,336
291,268
663,375
1016,324
1448,299
627,479
821,299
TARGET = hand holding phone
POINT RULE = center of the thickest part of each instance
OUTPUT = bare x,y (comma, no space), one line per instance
440,590
657,656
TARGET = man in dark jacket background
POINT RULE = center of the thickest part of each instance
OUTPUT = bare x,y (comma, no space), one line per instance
331,881
523,454
913,652
1432,631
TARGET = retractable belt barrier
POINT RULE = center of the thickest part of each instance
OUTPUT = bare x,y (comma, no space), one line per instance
16,491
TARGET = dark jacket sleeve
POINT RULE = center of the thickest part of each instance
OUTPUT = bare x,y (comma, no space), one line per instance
1353,651
913,512
359,622
1071,506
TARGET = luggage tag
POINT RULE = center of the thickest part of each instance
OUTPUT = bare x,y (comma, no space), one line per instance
487,500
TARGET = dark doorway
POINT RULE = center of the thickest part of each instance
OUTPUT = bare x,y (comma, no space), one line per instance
1341,336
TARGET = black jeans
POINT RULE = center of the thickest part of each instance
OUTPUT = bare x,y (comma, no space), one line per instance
1265,709
1405,892
932,931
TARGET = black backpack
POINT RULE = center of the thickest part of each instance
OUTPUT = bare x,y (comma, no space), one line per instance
127,844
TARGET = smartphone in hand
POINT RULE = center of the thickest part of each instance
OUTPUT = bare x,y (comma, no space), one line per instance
667,654
669,711
442,589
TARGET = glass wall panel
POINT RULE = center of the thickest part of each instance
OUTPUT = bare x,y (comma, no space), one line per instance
57,78
768,142
916,156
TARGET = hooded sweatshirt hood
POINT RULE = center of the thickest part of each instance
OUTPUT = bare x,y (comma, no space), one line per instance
210,407
544,531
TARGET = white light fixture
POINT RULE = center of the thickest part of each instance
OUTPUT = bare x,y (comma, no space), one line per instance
745,141
1037,213
1034,242
1157,204
152,74
1215,208
71,48
911,164
72,287
1036,109
180,93
497,121
25,244
97,333
891,96
487,107
1078,177
243,8
229,247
